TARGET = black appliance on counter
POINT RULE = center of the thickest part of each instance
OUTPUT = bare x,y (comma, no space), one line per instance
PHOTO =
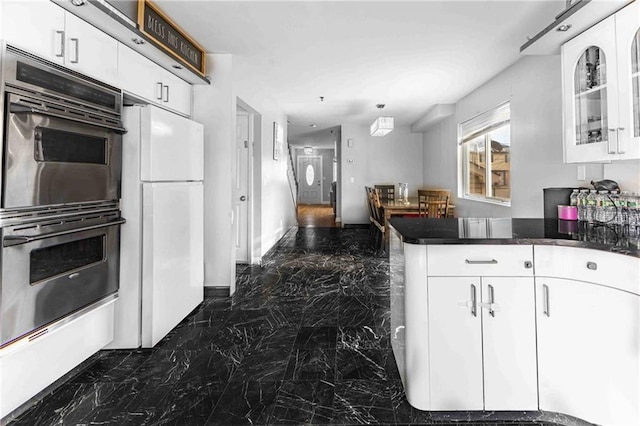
554,197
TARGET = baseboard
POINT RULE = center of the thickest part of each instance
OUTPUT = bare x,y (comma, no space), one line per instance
355,225
217,291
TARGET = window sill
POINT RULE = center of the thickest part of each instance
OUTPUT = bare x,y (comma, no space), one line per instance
493,201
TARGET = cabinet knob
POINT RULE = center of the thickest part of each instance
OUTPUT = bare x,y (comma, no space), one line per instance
592,265
528,264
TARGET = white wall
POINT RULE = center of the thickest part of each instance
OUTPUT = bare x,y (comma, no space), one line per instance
396,157
273,205
533,86
214,106
274,212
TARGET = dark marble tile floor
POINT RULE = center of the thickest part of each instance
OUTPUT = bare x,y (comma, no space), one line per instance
304,340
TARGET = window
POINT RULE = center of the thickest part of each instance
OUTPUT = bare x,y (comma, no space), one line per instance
485,150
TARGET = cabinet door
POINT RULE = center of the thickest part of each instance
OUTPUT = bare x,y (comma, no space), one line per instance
35,26
172,256
455,343
588,351
90,51
138,75
628,42
589,84
509,343
176,93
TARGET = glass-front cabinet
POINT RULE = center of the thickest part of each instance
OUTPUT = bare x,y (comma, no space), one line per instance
601,90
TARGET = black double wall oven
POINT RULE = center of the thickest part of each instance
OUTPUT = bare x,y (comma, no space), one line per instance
60,214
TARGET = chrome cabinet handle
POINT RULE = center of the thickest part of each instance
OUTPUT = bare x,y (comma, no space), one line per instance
592,266
620,129
166,93
491,304
474,311
480,262
609,150
545,299
159,90
76,50
61,34
14,240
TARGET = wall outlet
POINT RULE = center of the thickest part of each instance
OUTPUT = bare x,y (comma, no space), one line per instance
582,172
350,143
352,179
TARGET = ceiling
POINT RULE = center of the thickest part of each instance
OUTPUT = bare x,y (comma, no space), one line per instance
407,55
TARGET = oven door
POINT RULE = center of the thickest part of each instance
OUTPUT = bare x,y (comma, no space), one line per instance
50,158
49,275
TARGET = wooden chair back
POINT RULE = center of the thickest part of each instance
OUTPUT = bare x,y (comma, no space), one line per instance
433,203
386,192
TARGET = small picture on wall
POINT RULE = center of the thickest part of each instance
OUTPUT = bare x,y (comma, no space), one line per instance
278,139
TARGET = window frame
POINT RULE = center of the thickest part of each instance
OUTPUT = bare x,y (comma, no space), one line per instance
463,161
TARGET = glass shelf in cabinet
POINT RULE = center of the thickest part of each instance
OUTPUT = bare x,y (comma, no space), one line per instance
593,93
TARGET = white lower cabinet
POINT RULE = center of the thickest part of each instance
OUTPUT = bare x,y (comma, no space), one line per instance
29,366
482,343
588,351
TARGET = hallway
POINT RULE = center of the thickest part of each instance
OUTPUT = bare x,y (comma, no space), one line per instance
315,215
304,340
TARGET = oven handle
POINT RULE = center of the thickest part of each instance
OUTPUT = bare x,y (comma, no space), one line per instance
16,108
14,240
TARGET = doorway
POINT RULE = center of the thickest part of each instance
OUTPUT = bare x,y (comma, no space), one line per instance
310,185
242,184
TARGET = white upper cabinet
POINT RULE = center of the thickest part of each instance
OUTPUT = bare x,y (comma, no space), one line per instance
89,50
141,77
48,31
138,75
601,90
37,27
176,93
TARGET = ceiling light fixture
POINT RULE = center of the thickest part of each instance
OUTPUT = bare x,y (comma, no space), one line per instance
382,125
314,125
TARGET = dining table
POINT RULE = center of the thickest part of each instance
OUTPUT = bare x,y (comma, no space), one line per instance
398,207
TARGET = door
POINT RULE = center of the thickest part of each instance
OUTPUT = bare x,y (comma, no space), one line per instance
56,160
172,255
455,343
310,179
628,42
36,26
240,187
590,105
581,328
509,343
90,51
171,147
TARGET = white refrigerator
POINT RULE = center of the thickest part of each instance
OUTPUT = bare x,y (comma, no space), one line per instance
162,243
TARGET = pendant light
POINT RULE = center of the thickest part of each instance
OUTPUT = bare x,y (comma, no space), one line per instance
382,125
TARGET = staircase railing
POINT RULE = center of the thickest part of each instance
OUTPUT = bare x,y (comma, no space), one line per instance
293,178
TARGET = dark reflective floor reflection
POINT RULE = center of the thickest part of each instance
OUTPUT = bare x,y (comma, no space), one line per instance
304,340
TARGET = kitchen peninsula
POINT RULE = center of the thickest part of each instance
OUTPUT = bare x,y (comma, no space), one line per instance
517,315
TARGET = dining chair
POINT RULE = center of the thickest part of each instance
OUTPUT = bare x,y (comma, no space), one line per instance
433,203
372,227
387,192
378,220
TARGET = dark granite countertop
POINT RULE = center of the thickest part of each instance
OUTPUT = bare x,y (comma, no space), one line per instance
517,231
